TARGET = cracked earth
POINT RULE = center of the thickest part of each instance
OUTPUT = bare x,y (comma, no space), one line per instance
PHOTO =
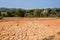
29,28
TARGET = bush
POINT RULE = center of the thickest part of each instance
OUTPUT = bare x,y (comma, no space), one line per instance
1,17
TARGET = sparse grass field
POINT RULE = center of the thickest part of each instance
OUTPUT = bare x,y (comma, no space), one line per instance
29,28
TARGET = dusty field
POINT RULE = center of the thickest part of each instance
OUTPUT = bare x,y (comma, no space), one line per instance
29,29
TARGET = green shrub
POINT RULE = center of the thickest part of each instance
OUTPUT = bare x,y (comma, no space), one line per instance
1,17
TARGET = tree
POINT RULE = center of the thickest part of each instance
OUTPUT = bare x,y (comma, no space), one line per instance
21,13
0,13
28,13
36,13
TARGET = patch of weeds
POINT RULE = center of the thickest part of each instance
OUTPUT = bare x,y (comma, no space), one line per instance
58,33
48,25
17,24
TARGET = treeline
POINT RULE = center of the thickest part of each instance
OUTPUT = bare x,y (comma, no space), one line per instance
31,13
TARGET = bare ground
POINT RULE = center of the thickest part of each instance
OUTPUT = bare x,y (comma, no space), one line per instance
29,28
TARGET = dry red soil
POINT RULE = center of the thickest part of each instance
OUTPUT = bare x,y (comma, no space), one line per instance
29,28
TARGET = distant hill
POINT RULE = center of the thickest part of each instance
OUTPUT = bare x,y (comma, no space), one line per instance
4,8
10,9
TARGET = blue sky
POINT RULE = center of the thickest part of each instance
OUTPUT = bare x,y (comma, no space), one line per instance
30,4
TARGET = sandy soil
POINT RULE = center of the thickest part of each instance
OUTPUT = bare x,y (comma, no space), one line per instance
29,28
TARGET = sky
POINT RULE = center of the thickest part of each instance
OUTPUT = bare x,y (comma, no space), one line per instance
30,4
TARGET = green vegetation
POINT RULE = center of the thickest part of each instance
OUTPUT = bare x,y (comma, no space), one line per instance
30,13
1,17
